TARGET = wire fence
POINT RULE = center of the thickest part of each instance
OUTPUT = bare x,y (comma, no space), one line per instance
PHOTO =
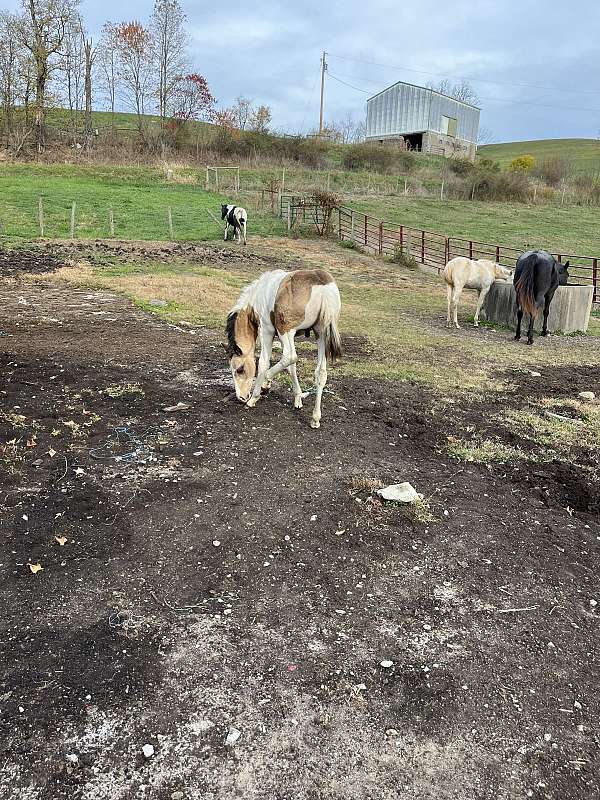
430,248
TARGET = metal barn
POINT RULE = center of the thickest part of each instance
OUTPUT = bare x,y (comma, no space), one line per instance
424,119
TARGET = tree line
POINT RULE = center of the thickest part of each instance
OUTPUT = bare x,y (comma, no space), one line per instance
49,59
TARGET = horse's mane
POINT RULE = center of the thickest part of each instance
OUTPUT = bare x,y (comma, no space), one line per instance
232,346
244,301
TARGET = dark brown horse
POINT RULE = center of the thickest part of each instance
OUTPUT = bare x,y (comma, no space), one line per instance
537,277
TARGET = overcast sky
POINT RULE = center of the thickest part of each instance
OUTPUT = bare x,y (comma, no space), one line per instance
270,51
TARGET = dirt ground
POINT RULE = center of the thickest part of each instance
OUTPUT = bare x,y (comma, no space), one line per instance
215,572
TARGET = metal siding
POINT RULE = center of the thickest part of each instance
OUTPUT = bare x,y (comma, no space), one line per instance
404,108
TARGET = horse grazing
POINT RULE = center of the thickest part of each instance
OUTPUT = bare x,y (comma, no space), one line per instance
537,277
464,273
236,218
283,303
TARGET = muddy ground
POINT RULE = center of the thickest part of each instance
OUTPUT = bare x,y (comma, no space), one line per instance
215,571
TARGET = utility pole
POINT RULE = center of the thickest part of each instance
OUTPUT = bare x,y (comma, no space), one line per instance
323,71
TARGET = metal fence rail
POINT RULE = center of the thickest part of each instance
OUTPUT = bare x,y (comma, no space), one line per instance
426,247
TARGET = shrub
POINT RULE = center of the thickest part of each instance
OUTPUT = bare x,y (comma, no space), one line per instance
369,156
553,170
522,164
491,185
325,204
403,258
461,166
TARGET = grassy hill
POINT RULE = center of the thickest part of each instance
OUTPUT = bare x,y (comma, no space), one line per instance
583,153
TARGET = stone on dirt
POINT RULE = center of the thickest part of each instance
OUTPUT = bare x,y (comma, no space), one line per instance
587,396
232,737
158,303
148,750
399,493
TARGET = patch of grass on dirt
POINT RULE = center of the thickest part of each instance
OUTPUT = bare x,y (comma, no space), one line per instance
123,390
421,511
483,451
574,424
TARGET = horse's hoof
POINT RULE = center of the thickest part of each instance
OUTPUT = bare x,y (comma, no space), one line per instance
297,402
530,341
315,423
544,333
252,402
475,324
457,326
517,339
265,390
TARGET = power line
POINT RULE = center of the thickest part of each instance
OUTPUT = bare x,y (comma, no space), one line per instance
487,99
464,78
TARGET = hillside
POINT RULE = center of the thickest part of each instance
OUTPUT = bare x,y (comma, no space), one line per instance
583,153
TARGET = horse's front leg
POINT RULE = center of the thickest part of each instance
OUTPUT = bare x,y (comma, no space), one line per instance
288,358
320,381
226,230
448,316
483,293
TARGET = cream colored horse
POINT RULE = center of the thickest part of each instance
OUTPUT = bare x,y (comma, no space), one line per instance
464,273
282,303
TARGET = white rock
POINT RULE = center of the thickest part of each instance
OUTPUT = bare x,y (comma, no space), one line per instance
386,664
535,374
232,737
73,758
148,750
587,395
399,493
593,603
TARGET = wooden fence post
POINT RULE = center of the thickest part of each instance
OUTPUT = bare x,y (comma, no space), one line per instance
41,216
473,192
111,222
405,187
207,180
352,225
442,191
238,180
170,221
73,207
283,180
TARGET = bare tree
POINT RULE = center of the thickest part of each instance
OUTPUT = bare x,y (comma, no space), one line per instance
43,26
69,81
89,58
169,39
241,112
11,73
107,59
462,91
485,136
134,66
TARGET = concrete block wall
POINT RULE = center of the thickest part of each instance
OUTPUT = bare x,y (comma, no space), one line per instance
448,146
569,311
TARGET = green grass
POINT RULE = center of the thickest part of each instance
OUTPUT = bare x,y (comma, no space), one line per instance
139,197
570,229
584,154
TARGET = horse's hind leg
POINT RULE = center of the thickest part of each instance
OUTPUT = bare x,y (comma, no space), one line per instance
320,381
448,317
540,301
456,292
519,320
547,302
295,386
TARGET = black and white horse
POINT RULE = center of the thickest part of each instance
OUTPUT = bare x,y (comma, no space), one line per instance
236,218
537,277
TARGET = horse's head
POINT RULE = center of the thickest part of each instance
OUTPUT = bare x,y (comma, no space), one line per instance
242,330
563,273
502,273
223,212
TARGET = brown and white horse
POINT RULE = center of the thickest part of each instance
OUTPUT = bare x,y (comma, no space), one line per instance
283,303
465,273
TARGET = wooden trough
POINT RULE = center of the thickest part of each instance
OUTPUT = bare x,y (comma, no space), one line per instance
569,312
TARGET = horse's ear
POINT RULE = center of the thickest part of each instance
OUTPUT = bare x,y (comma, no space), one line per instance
566,265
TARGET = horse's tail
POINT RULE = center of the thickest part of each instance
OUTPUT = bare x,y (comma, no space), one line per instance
525,285
330,311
